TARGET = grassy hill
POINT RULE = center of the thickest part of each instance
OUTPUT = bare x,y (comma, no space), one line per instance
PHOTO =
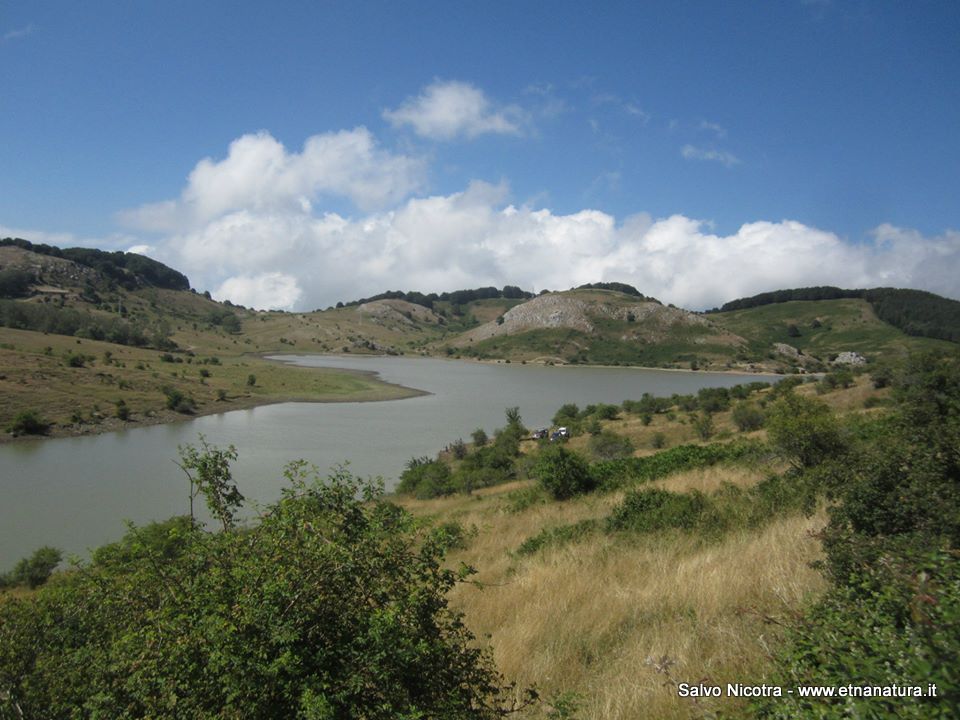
819,328
90,340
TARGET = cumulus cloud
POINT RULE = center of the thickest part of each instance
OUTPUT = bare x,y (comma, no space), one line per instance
260,175
446,110
247,226
475,238
270,291
691,152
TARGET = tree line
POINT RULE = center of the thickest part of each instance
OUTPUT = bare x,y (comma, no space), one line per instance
129,270
457,297
915,312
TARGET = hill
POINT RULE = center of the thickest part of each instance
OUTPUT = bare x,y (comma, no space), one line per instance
92,340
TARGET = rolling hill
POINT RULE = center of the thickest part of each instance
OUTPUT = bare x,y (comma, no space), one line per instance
93,339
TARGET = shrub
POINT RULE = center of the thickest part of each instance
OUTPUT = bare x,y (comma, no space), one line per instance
703,425
898,625
804,429
426,478
659,440
608,445
28,422
479,437
251,380
122,411
747,416
35,570
654,509
178,401
557,536
563,473
612,474
334,604
458,448
566,415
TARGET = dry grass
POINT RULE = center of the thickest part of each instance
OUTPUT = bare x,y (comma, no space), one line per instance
586,617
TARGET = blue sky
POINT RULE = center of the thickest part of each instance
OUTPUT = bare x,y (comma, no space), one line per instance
701,150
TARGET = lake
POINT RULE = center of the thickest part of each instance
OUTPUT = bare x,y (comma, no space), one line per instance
75,493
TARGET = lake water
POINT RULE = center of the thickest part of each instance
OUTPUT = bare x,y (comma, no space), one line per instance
75,493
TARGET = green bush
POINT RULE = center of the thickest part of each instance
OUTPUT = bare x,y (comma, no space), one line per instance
612,474
747,416
28,422
35,570
652,509
704,426
333,605
178,401
897,624
608,445
426,478
557,536
563,473
804,429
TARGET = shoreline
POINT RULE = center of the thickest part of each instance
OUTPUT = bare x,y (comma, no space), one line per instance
243,402
392,391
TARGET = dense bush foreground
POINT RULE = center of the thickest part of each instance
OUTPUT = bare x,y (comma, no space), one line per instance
329,607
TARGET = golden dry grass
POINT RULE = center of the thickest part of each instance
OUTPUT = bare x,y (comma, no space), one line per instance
589,617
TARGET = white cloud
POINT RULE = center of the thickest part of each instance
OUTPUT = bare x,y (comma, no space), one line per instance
446,110
691,152
712,127
260,175
269,291
141,249
474,238
248,227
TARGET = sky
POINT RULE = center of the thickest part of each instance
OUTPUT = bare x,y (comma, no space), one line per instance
291,155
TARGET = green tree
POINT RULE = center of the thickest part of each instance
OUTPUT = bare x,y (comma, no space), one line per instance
479,437
35,570
208,469
563,473
333,605
804,429
703,425
747,416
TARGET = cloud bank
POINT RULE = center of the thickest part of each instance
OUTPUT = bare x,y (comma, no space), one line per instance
271,254
252,228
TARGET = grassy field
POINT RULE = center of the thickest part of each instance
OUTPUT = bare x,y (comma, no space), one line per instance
78,384
606,623
825,327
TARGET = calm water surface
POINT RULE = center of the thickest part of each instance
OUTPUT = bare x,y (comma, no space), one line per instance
75,493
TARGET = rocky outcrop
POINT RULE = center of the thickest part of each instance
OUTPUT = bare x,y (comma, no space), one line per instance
645,321
397,314
849,358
